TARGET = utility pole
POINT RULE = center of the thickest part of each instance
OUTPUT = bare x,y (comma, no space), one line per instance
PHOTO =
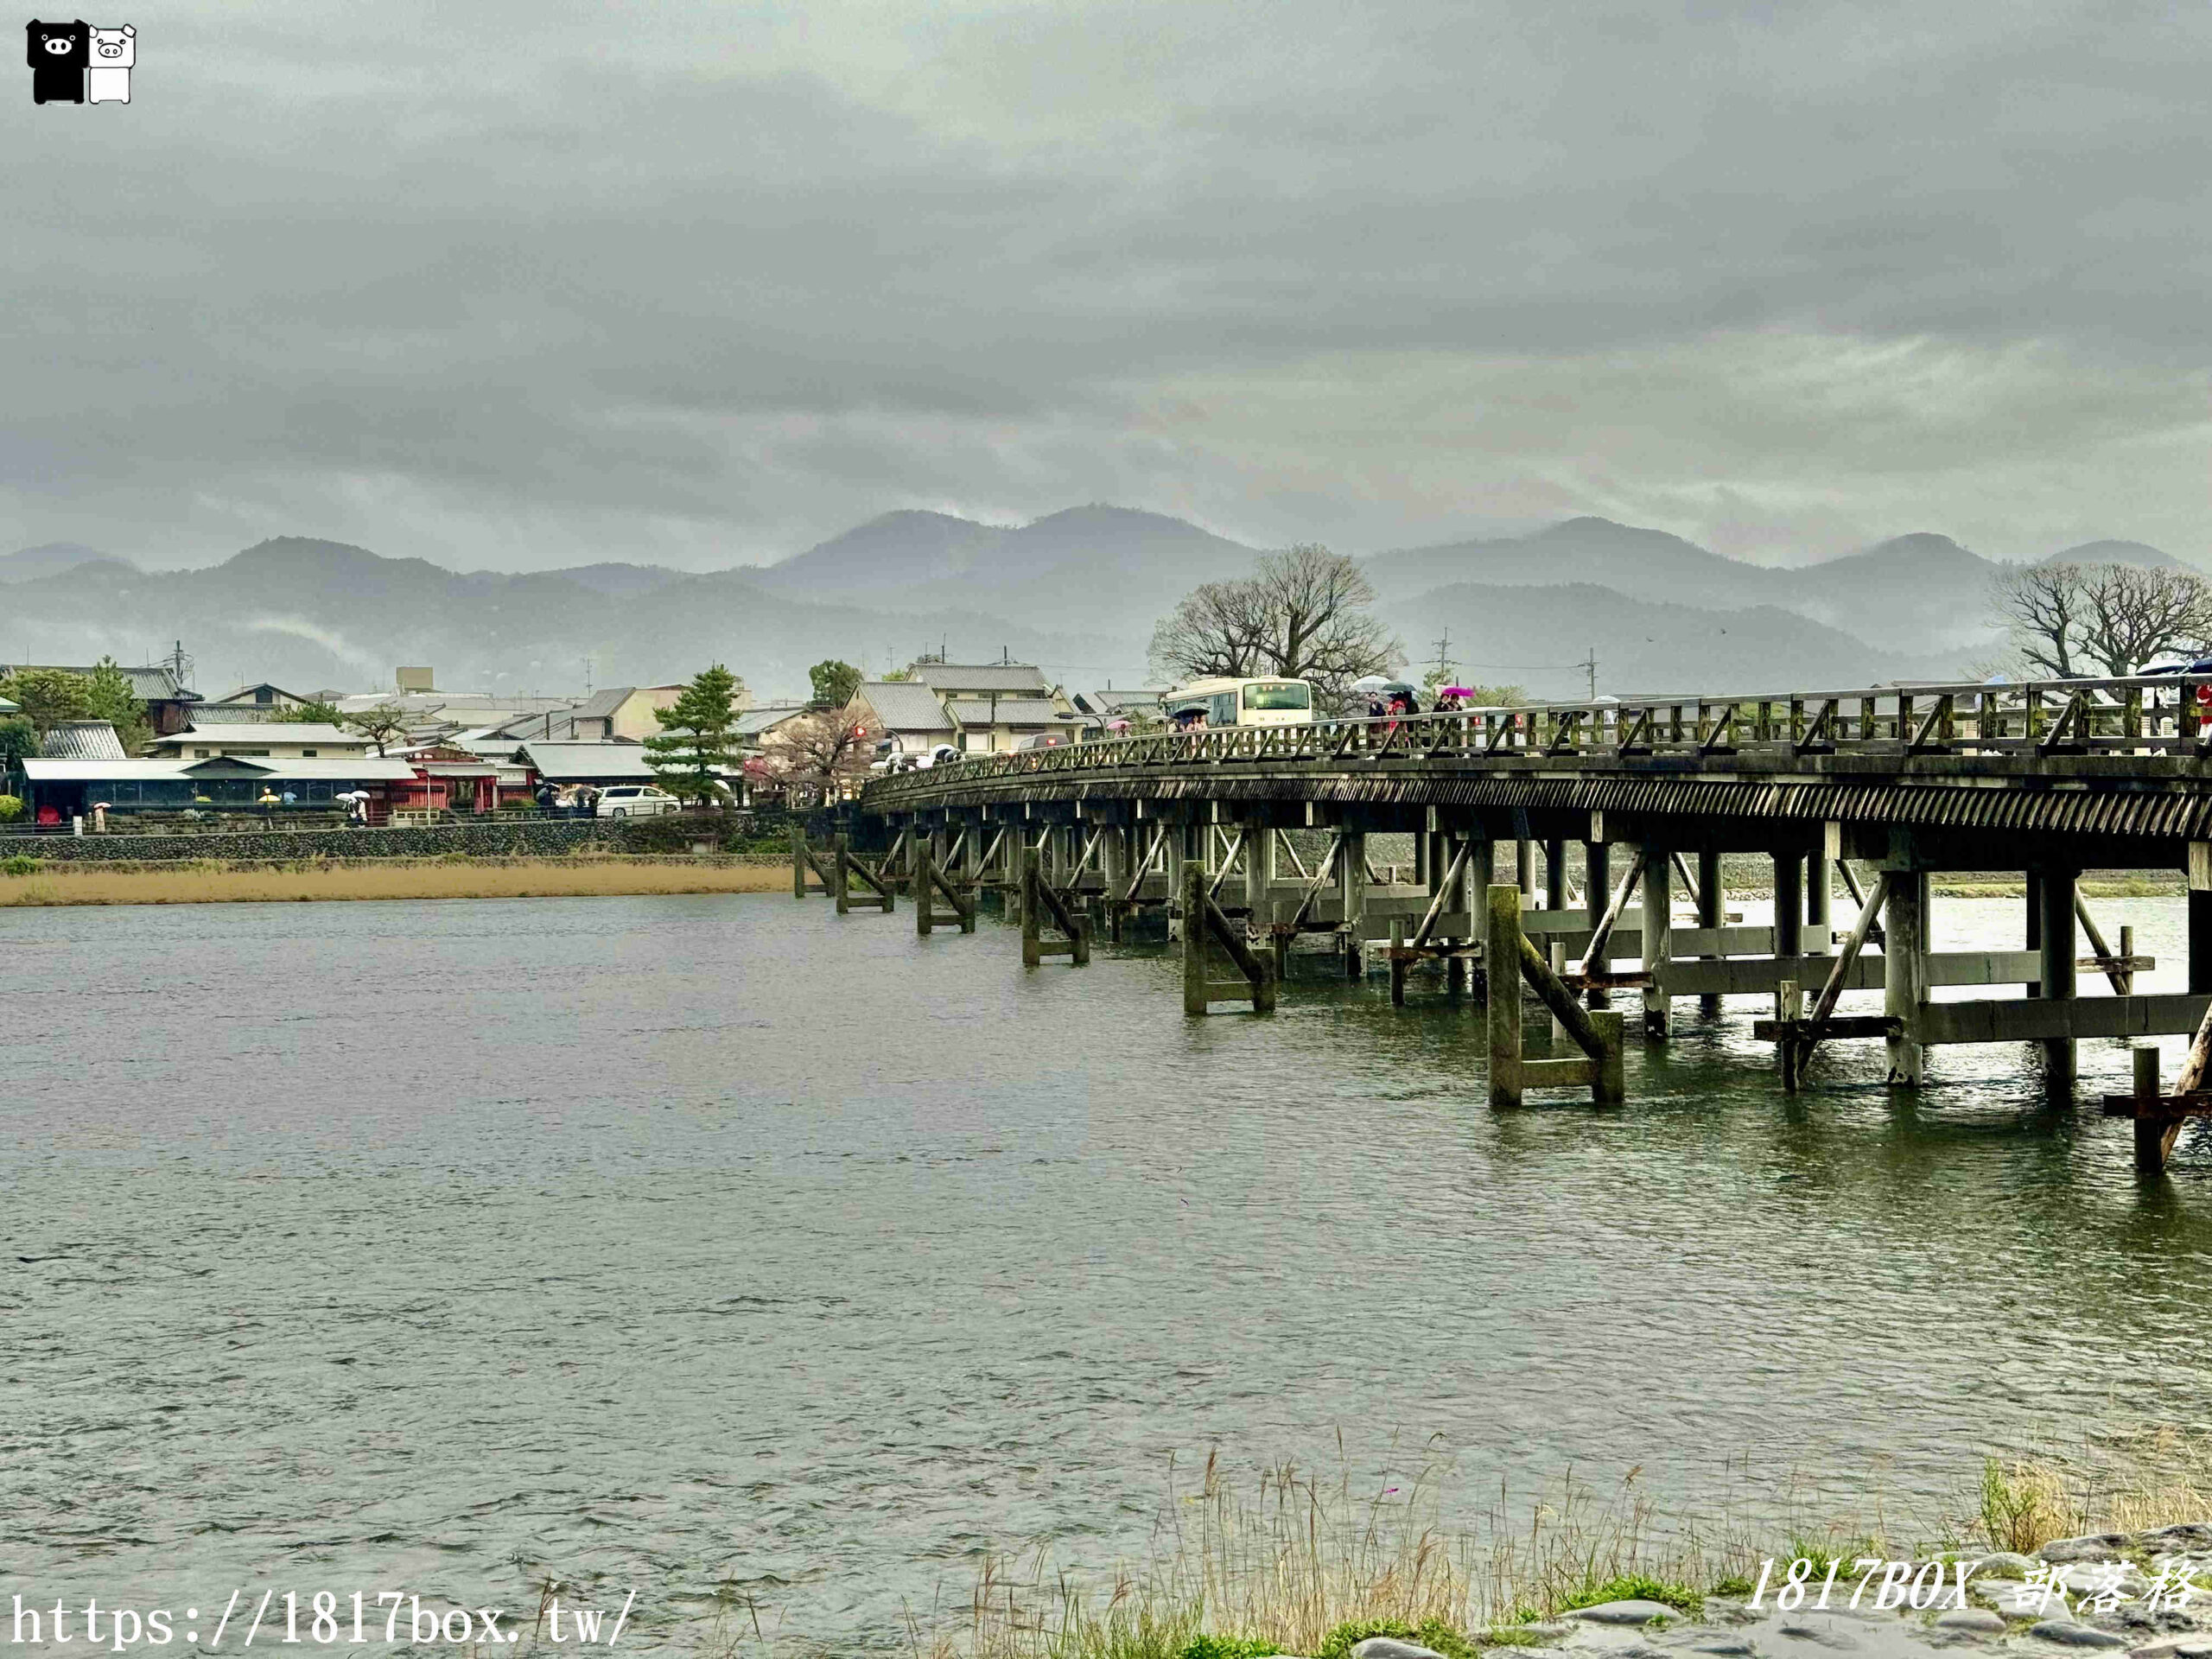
1444,663
1589,664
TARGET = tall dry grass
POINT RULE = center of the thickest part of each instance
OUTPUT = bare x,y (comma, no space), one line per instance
1297,1562
584,875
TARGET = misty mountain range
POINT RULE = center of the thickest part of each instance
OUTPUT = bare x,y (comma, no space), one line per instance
1077,592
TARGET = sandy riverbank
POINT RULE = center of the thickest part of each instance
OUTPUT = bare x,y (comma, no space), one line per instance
444,878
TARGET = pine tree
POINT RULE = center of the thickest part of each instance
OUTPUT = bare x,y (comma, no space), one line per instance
698,740
111,697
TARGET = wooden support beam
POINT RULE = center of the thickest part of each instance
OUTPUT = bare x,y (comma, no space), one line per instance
1511,960
1445,889
1040,901
2120,974
1825,1006
1808,1031
1203,921
1228,863
2061,1020
1602,936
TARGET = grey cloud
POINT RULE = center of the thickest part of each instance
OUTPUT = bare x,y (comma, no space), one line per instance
521,285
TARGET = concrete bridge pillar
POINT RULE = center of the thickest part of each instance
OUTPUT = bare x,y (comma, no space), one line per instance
1904,972
1524,871
1709,911
1596,888
1555,874
2058,946
1820,885
1259,871
1351,889
2200,917
2035,923
1114,863
1658,938
1172,859
1789,904
971,854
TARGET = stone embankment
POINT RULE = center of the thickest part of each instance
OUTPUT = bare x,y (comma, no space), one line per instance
2113,1593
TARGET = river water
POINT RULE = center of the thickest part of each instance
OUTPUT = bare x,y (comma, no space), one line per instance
714,1246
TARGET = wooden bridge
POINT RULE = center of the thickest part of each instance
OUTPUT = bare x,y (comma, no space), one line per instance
1599,809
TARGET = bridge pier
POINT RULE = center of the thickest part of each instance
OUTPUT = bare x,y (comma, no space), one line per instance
1904,972
1819,888
2058,885
2199,865
1708,909
1351,890
1556,873
1658,938
1597,887
1789,904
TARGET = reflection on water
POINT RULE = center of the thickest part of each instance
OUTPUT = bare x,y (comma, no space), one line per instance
706,1241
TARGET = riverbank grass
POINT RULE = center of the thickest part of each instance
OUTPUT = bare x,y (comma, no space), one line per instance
1293,1566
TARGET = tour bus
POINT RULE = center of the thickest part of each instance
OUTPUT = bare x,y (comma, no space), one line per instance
1244,702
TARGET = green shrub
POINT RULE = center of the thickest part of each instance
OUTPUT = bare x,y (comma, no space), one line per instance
11,808
1227,1647
1637,1587
1429,1633
20,865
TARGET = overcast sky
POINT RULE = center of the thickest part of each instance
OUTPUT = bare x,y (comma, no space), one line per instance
520,285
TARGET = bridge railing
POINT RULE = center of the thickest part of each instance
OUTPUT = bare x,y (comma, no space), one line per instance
2150,714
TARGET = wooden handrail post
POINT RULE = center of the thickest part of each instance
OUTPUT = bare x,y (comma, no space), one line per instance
840,873
798,859
924,883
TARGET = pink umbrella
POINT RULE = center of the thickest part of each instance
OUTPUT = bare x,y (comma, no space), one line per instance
1457,692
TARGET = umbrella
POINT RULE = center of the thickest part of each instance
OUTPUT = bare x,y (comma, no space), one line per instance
1456,692
1370,683
1400,689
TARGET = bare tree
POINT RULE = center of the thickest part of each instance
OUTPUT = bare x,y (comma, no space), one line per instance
2136,615
2067,620
1302,614
821,753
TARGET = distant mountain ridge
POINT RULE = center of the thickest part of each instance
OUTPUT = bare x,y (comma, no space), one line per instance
1078,591
50,558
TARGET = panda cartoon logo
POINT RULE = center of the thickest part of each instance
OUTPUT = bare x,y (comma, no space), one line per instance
108,79
58,54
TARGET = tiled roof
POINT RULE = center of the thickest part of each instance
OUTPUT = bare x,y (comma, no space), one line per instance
264,731
755,720
147,684
600,704
981,676
81,740
906,706
1107,702
568,762
1005,711
359,768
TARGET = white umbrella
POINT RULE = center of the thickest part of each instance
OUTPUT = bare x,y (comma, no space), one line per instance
1370,683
